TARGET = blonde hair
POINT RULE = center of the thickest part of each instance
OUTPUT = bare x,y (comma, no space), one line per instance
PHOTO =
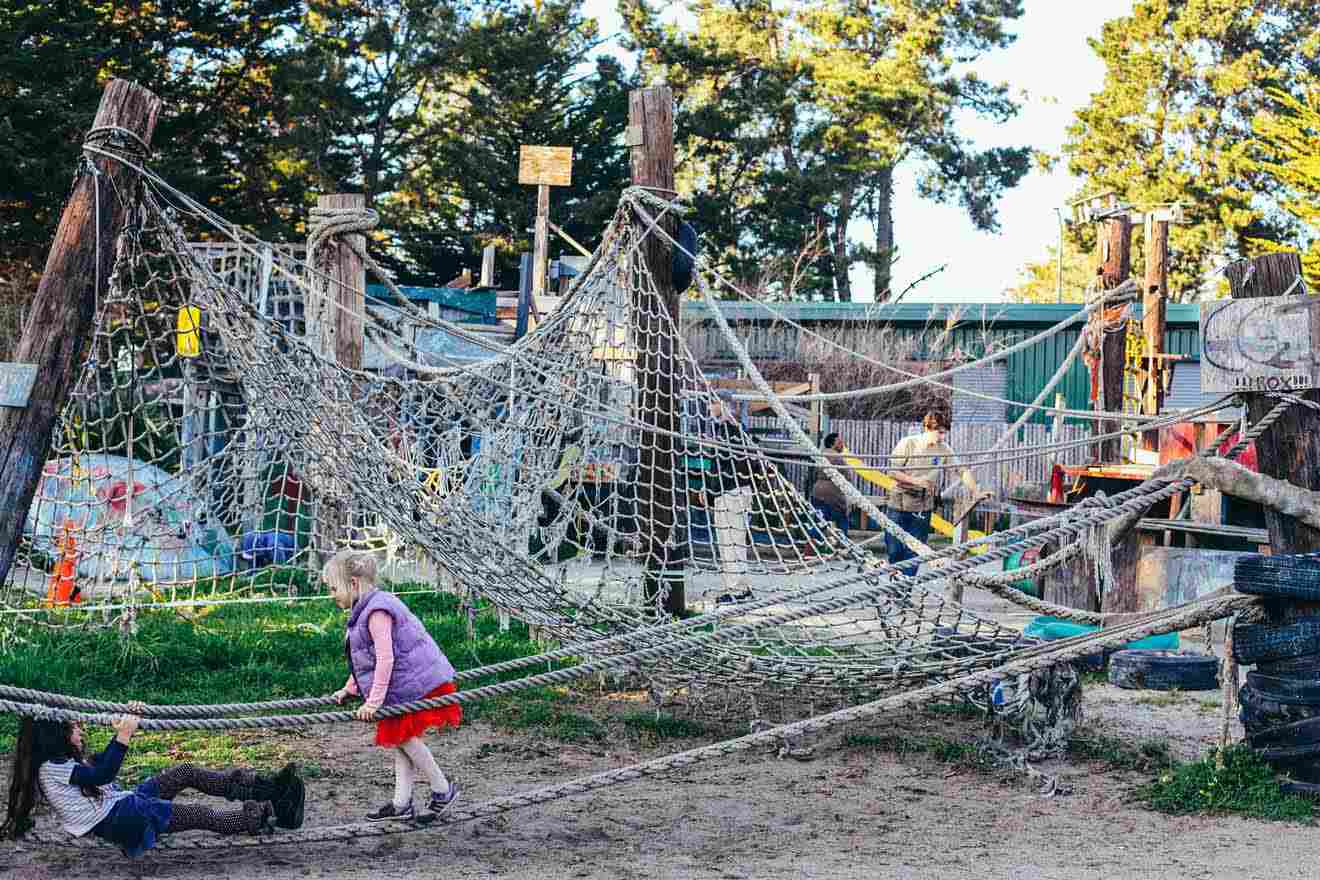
346,565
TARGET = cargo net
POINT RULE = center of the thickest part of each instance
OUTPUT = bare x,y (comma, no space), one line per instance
213,450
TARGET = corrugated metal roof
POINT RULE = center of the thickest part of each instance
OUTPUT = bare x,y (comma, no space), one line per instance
998,314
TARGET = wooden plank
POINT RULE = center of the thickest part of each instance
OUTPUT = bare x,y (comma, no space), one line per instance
1258,344
1246,533
59,328
545,166
16,383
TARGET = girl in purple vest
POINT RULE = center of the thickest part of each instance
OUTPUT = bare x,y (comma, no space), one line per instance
392,659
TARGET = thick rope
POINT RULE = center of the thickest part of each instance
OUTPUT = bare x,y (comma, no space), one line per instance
1055,653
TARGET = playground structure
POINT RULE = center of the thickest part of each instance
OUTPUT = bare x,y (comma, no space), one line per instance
579,438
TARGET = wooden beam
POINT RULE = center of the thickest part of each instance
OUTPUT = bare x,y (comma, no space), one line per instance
1290,450
59,327
651,121
1116,265
1153,304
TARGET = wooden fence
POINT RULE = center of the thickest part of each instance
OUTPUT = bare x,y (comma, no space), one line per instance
1014,464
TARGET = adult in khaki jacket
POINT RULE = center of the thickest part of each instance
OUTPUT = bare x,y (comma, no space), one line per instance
922,478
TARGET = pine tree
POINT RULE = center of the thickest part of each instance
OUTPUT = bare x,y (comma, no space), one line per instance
1289,133
1173,122
794,115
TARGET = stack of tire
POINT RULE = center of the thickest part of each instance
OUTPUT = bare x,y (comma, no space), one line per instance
1280,702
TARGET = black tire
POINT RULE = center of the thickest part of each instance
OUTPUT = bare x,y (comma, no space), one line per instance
1259,714
1305,667
1297,735
1267,642
1294,577
1285,689
1163,670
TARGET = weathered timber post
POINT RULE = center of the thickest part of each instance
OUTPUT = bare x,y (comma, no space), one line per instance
651,138
1153,304
1291,449
60,325
1116,266
340,294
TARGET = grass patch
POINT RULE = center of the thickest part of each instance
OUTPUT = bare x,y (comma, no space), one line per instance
544,711
235,653
1244,786
943,750
153,752
1119,754
664,726
1160,698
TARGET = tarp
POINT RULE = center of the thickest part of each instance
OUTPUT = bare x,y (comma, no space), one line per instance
168,536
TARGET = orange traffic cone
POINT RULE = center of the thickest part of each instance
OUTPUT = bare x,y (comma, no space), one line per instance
62,587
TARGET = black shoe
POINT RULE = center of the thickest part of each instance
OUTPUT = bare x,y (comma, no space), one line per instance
289,797
391,813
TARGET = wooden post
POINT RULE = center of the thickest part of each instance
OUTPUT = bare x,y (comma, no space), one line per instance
59,327
1154,300
817,410
651,138
541,247
339,328
488,266
1291,449
345,282
1116,266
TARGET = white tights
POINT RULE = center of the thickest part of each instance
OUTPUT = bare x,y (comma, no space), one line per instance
410,758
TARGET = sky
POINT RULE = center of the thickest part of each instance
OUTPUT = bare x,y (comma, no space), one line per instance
1052,72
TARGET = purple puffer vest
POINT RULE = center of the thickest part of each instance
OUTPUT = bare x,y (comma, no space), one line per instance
419,665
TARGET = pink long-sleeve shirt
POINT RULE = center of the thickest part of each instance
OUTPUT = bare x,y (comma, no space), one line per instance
381,627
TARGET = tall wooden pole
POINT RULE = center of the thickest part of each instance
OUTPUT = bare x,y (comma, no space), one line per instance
651,130
60,325
1291,449
1153,303
340,307
1116,266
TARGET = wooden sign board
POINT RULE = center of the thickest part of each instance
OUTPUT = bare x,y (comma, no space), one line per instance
16,383
1259,344
545,166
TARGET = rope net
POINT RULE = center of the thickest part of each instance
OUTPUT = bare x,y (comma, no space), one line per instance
578,479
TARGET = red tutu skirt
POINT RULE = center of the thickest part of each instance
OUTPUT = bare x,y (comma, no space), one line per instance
392,732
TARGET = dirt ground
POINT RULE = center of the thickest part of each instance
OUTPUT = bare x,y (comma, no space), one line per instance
848,812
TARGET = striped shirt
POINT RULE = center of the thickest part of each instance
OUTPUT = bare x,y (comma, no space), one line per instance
77,812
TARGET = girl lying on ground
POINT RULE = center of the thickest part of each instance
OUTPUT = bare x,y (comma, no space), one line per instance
48,758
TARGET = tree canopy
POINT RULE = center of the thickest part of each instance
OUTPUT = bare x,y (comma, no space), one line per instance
793,116
1174,121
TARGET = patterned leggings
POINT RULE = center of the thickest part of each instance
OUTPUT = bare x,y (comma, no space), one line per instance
235,785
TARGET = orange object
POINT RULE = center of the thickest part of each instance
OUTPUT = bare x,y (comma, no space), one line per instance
62,587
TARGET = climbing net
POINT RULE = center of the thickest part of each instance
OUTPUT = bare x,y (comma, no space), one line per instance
211,436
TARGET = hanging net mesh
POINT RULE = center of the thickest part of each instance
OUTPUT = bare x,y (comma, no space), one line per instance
214,449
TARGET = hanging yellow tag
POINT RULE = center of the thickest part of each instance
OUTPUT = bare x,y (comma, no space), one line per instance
188,342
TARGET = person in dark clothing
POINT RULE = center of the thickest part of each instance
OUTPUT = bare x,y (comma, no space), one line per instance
825,496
